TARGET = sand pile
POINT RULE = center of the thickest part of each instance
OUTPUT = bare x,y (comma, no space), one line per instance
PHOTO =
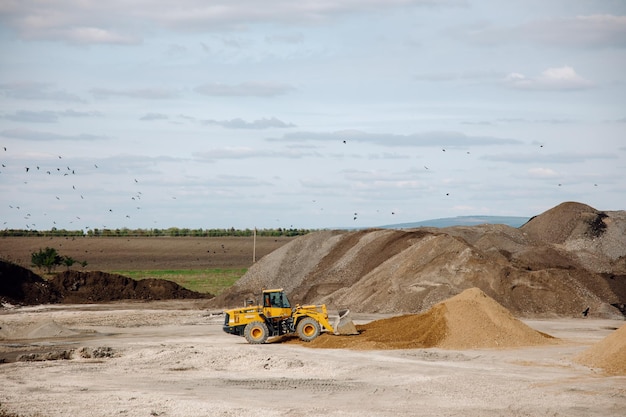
608,354
470,320
44,330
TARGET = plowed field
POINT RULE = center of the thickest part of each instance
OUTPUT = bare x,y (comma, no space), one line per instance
141,253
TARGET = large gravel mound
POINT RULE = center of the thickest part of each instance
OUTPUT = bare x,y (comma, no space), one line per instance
470,320
566,221
596,239
560,263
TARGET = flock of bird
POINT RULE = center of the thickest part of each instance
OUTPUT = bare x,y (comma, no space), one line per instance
38,174
59,168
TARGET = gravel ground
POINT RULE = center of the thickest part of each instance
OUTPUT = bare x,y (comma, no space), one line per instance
172,359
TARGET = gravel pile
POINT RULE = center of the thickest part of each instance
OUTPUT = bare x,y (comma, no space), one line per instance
560,263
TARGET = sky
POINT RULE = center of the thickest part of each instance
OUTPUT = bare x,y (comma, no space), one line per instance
307,114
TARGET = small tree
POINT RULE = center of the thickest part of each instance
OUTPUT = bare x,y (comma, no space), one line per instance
68,261
47,258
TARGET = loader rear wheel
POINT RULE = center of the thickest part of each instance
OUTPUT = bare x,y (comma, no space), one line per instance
308,329
256,332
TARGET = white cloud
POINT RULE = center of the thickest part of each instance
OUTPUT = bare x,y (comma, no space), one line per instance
121,22
154,116
243,152
239,123
427,139
561,78
237,181
554,121
176,50
45,116
388,155
542,173
592,31
91,35
141,93
289,38
36,135
458,76
252,88
587,31
561,157
30,90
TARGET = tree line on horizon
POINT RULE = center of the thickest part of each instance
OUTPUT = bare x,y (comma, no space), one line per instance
169,232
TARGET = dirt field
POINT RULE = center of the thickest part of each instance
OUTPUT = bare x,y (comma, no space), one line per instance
136,253
172,359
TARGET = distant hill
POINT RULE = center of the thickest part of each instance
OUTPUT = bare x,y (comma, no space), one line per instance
462,221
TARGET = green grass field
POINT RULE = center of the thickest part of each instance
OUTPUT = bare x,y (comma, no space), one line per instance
211,281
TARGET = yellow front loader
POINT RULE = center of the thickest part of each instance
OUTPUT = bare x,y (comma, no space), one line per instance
276,317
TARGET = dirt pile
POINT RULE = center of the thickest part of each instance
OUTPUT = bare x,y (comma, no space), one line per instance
608,354
96,286
594,238
44,330
21,286
470,320
565,221
558,264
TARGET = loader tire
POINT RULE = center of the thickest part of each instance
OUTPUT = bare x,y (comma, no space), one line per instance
308,329
256,332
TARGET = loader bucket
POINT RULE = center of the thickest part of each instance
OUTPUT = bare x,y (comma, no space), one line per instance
345,325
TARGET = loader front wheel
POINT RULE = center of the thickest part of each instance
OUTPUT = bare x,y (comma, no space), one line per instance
256,332
308,329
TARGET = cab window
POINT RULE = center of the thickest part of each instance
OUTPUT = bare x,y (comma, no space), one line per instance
277,299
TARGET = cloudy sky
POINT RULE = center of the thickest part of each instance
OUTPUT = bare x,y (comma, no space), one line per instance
307,114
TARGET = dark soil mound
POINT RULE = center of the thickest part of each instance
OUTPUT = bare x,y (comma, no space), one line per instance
96,286
22,286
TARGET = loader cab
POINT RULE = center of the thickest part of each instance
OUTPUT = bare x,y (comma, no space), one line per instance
276,304
275,298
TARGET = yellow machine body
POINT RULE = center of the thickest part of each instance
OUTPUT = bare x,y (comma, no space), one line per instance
276,317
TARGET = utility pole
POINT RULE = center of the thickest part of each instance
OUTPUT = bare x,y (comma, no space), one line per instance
254,246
